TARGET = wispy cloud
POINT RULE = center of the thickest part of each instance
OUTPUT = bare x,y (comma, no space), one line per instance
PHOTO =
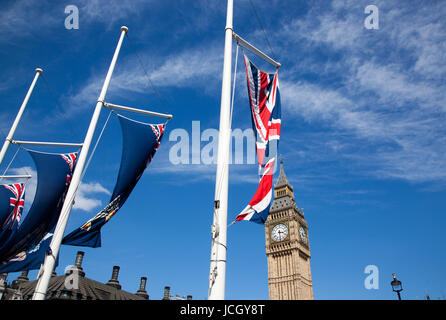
21,18
383,89
24,18
189,68
394,107
84,200
111,11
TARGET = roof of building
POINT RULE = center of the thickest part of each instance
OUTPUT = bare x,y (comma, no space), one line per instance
86,289
282,203
285,201
73,285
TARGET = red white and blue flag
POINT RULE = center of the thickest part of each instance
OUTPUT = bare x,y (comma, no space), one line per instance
140,143
42,216
70,158
264,99
17,201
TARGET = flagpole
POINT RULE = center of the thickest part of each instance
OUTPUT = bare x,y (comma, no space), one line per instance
217,274
11,133
50,259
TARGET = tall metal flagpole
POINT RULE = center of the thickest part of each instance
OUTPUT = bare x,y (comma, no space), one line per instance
10,135
218,252
50,259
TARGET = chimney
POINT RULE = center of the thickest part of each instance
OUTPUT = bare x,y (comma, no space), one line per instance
20,279
166,293
79,259
3,284
3,277
114,278
23,277
78,265
142,289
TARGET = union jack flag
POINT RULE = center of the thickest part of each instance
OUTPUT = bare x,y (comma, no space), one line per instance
158,130
264,98
70,158
17,202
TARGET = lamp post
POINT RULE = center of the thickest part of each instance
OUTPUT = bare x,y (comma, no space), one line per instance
396,286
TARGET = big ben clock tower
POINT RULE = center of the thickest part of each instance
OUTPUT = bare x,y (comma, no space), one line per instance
287,246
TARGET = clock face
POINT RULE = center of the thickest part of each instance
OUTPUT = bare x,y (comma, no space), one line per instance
279,232
303,234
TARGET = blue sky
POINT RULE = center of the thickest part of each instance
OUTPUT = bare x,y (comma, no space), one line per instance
363,135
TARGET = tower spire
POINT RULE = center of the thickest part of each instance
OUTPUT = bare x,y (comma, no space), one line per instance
282,180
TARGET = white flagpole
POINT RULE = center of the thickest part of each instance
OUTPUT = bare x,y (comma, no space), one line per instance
217,274
10,135
50,259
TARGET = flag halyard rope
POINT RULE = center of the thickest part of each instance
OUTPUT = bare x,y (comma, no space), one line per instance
10,162
263,29
148,77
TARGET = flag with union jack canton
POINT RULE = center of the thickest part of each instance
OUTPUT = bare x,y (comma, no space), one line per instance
12,200
264,99
140,142
30,259
53,175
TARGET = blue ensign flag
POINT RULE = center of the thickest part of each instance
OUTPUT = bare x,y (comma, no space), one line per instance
31,259
54,173
140,142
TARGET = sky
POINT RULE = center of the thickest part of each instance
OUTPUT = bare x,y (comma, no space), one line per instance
363,135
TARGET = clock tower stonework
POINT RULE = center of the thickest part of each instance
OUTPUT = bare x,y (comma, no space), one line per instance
287,246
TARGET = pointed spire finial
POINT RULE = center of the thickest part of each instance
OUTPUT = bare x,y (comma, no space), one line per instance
282,180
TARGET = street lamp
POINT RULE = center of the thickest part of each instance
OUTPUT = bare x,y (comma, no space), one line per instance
396,286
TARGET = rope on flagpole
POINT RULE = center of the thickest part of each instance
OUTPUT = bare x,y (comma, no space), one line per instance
231,223
232,102
230,117
147,75
219,183
233,85
233,94
261,26
95,146
61,111
20,147
9,164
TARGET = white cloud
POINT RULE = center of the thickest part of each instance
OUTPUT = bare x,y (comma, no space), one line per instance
84,200
190,68
382,89
422,34
19,19
396,87
110,12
